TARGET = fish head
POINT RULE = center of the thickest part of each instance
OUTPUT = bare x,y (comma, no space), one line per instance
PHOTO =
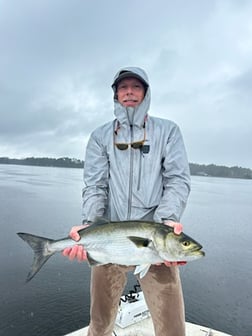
180,247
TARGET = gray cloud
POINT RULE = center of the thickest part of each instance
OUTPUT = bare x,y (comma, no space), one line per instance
58,59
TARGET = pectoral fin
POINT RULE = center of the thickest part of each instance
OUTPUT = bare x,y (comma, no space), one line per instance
140,242
142,270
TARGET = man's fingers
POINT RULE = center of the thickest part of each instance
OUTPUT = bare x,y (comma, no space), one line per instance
66,251
74,234
72,252
178,227
174,263
81,254
76,251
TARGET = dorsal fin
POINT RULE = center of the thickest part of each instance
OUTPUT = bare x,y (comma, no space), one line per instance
99,221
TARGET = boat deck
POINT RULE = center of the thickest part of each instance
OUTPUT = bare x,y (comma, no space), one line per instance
145,328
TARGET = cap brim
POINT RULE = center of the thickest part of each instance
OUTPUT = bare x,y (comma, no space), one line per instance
128,74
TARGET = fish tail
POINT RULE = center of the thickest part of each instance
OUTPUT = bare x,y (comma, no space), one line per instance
40,249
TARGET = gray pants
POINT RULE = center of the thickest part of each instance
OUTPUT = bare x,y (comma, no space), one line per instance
162,291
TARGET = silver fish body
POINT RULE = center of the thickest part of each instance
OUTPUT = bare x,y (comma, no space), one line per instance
135,243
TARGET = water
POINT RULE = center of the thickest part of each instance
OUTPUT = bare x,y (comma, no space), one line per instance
47,202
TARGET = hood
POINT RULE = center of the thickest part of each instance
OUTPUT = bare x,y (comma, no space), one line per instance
132,115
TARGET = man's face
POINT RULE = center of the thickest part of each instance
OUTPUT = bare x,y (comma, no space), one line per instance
130,92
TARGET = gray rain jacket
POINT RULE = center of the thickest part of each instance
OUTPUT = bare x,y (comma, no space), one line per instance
152,182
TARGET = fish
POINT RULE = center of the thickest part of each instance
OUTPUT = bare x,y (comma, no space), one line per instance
130,243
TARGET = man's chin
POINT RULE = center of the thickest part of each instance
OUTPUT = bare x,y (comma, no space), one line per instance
130,104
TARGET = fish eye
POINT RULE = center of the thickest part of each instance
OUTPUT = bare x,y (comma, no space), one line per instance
186,243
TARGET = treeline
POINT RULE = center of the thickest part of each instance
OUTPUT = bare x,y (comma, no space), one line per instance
44,161
195,169
220,171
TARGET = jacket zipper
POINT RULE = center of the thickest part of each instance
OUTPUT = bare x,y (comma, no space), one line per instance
130,176
140,170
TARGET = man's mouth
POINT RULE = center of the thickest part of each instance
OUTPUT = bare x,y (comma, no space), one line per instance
130,100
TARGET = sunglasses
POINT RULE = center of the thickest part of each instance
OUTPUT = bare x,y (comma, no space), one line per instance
135,145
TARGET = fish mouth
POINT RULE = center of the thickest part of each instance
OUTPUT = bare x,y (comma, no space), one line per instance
197,250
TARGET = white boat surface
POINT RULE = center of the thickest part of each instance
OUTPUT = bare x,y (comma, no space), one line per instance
145,328
133,319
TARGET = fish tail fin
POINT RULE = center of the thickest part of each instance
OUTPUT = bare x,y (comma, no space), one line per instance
40,249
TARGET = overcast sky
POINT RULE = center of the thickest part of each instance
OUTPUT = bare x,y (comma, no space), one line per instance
58,59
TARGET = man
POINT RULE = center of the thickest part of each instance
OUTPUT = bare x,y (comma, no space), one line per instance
135,168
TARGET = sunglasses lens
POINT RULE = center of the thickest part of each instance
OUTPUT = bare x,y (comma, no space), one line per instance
134,145
122,146
137,145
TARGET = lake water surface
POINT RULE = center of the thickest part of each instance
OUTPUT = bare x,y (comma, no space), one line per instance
47,202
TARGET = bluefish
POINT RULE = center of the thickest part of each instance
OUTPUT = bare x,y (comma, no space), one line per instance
137,243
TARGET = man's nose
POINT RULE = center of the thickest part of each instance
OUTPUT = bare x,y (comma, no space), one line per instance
129,90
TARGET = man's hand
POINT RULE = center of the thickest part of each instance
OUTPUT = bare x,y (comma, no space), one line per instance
178,228
174,263
77,251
